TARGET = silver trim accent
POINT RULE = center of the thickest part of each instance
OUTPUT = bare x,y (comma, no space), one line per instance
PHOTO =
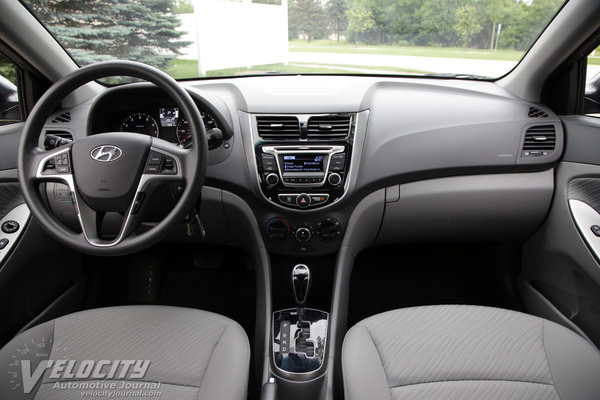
302,266
275,347
302,241
327,151
21,215
85,214
585,216
326,195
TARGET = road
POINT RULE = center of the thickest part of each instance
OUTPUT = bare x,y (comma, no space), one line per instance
491,68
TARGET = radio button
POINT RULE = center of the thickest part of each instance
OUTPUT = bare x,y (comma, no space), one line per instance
337,162
288,199
269,163
303,200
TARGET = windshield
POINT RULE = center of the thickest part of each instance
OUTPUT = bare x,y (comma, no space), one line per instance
208,38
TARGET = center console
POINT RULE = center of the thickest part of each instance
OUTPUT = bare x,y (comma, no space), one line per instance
303,161
300,333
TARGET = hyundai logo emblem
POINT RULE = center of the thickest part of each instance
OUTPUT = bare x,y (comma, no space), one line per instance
106,153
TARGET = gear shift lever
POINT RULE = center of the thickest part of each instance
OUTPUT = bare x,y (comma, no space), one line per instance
300,285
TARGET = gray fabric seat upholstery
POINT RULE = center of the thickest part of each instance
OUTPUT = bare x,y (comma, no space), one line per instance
193,354
469,353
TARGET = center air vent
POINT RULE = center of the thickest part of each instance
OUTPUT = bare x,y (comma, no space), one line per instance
539,140
278,127
329,127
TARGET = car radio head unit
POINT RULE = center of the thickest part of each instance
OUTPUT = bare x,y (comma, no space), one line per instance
302,163
302,176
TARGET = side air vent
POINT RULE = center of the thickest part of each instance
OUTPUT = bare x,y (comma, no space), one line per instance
536,113
329,127
539,140
278,127
62,118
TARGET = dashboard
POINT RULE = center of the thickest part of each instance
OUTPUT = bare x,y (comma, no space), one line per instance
149,112
448,159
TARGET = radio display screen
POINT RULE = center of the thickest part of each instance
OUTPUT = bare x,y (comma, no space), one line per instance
303,163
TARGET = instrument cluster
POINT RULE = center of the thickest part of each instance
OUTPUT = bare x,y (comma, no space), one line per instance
165,122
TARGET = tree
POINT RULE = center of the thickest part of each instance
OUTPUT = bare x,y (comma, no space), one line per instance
95,30
466,23
360,20
307,17
336,12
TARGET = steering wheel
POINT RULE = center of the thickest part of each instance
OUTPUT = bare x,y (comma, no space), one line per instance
114,171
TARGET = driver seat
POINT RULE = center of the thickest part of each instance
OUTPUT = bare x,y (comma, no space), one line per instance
192,354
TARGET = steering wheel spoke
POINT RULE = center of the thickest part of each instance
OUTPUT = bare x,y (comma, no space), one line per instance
54,165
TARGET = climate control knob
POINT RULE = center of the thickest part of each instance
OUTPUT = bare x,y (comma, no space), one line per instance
272,179
277,228
334,179
303,234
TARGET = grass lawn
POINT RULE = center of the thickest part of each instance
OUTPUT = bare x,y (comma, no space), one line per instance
182,69
332,46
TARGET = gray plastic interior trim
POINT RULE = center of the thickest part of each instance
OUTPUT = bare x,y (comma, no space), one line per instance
360,233
8,175
476,207
19,214
246,234
537,304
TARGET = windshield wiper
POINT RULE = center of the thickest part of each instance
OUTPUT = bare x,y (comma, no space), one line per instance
456,76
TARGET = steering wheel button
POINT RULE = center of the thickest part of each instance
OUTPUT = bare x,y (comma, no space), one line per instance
152,169
3,243
63,169
10,226
155,158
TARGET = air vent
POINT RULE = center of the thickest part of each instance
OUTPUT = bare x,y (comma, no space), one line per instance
278,127
536,113
539,140
62,118
329,127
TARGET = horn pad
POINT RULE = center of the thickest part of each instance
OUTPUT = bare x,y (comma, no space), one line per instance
107,168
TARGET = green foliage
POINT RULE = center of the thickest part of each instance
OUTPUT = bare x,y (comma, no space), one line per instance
183,7
449,23
336,13
306,17
360,19
7,69
466,23
95,30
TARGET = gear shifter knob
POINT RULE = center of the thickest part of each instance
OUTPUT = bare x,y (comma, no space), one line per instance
300,285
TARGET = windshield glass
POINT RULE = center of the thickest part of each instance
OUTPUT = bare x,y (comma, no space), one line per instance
198,38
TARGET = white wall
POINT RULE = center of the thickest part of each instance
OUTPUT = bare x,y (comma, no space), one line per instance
232,34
